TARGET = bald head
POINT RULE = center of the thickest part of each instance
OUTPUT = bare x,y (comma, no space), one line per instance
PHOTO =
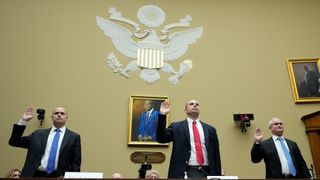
59,117
192,109
116,176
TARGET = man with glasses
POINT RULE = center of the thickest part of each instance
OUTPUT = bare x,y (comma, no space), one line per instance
52,151
282,156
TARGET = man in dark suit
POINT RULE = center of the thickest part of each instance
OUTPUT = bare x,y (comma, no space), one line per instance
312,81
42,160
282,156
195,150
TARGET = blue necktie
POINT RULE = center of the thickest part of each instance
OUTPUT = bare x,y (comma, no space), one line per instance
53,152
292,169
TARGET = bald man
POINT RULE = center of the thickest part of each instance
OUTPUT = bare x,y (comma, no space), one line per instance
195,150
42,161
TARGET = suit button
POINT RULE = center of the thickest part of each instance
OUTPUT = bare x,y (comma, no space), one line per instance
186,162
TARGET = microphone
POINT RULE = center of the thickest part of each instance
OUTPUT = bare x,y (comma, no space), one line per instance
144,167
41,116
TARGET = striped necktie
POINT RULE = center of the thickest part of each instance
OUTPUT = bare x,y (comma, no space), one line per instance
286,152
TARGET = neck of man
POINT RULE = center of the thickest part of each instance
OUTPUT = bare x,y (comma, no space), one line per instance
193,116
58,125
279,134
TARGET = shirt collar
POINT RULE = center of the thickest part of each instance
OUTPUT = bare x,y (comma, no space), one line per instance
274,137
63,129
191,120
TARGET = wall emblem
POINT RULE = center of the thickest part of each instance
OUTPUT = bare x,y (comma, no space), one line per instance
147,50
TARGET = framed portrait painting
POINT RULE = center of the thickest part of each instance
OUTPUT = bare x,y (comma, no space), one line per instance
143,119
305,79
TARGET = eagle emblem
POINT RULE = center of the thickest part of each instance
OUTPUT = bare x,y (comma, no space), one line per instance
147,50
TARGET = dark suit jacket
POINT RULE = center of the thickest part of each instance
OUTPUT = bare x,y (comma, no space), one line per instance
267,151
148,128
178,133
69,154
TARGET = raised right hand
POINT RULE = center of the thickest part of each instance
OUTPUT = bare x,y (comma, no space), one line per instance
258,136
165,107
28,114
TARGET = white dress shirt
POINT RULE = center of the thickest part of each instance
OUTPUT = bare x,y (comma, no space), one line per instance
45,157
283,160
193,157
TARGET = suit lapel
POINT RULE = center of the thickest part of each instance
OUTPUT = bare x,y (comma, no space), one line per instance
64,140
291,147
44,139
205,133
186,130
273,148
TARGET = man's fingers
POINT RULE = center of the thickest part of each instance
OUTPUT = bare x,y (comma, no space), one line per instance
165,104
30,109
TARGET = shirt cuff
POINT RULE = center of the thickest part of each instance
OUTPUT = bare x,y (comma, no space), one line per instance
22,122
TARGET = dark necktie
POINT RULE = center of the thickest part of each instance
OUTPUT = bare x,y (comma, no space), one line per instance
53,152
285,150
197,143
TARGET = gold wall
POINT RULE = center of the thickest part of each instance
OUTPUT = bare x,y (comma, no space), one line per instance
52,53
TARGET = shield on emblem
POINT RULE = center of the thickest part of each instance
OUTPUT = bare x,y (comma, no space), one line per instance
150,55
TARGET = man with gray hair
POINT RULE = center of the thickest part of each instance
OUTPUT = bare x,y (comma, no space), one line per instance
152,174
282,156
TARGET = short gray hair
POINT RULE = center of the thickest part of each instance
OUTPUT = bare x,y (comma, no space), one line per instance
271,121
152,171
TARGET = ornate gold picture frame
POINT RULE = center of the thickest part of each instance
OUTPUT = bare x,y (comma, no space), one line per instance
143,119
305,79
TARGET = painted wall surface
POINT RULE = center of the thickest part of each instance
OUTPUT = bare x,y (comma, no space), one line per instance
52,54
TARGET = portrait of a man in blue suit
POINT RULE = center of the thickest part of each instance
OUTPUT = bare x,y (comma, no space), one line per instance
148,122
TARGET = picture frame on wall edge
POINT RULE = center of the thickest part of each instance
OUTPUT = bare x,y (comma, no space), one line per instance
305,79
